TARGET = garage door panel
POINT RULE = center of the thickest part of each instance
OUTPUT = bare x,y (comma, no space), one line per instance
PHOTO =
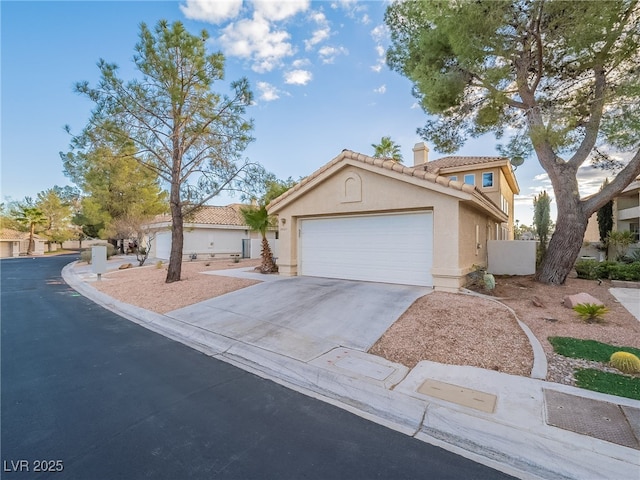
163,245
384,248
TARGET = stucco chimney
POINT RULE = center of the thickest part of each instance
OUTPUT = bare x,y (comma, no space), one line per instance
420,154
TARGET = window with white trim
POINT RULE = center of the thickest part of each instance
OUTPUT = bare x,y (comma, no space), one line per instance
470,179
487,179
454,178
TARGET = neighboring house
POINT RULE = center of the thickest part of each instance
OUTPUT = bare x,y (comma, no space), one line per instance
14,243
373,219
626,210
209,232
626,218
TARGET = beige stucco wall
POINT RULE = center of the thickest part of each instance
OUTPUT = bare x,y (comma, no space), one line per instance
511,257
209,240
500,187
349,189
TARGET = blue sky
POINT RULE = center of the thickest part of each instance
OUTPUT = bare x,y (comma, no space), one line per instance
316,69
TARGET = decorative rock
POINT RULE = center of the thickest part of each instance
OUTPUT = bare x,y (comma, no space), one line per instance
537,302
124,266
571,301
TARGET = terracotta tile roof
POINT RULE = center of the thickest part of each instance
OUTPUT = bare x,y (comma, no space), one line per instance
9,234
211,215
388,164
455,161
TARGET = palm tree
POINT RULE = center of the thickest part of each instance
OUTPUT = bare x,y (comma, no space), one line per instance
30,216
259,220
387,148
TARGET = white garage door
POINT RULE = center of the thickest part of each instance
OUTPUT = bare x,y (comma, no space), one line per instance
163,245
394,248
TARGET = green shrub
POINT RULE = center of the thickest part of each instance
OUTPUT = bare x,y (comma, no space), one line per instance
625,271
85,256
625,362
592,270
111,250
604,269
633,256
590,312
587,269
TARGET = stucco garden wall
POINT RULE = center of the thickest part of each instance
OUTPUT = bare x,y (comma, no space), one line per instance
511,257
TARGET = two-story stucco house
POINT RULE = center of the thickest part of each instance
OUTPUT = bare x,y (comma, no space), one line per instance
373,219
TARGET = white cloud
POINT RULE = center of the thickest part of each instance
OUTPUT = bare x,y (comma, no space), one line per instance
267,91
379,65
328,54
301,62
297,77
277,10
318,36
211,11
381,89
318,17
323,32
590,179
253,39
379,33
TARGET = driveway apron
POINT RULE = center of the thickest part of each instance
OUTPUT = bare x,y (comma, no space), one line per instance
304,317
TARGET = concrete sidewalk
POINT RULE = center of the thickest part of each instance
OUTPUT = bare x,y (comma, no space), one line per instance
522,426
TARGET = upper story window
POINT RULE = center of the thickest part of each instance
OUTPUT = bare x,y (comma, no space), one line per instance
487,179
470,179
454,178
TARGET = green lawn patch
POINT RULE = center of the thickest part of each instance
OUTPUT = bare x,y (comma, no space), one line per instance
596,380
587,349
610,383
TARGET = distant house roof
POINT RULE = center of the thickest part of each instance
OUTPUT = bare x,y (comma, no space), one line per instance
456,161
633,186
14,235
228,215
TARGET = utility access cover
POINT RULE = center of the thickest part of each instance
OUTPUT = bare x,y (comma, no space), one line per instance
603,420
466,397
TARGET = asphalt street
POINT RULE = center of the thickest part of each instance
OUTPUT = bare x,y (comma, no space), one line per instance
87,394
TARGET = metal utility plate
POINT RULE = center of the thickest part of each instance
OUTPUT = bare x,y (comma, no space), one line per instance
603,420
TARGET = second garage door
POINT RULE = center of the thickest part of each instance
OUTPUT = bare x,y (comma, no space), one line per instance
394,248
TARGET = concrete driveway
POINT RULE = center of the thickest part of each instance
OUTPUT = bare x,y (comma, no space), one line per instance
304,317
